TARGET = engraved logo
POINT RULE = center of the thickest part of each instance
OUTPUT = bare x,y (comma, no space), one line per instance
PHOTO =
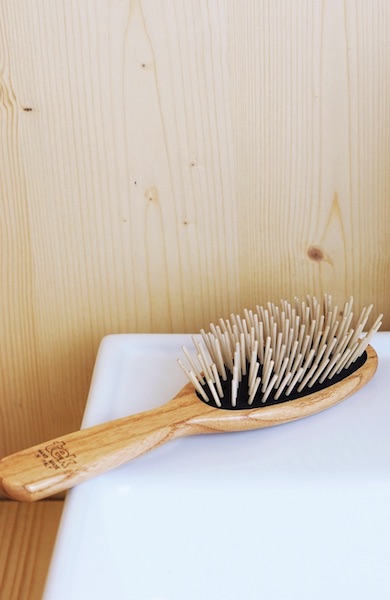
56,456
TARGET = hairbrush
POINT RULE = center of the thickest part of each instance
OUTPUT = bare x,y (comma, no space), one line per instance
272,365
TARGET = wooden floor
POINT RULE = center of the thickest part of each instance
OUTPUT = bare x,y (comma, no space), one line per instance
28,533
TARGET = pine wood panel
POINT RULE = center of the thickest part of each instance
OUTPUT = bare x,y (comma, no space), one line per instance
163,163
28,533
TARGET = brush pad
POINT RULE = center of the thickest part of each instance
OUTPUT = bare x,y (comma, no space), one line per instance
242,397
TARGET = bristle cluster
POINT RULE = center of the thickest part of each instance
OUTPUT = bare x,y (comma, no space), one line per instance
276,353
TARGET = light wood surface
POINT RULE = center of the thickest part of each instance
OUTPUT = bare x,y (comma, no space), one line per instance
163,163
28,533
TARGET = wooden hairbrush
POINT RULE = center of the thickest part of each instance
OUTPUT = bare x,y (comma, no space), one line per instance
273,365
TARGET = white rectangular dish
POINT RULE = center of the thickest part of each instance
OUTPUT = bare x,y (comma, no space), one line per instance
297,511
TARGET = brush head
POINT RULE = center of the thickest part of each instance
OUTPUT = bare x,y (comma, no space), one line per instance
278,353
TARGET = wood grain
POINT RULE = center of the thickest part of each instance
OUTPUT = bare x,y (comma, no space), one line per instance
28,533
165,163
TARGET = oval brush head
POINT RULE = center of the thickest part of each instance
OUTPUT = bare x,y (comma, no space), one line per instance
278,353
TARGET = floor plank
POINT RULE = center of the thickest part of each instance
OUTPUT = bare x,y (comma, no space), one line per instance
28,533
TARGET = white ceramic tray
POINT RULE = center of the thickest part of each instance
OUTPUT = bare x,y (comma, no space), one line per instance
298,511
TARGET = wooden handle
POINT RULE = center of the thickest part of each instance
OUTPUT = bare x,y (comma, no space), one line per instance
62,463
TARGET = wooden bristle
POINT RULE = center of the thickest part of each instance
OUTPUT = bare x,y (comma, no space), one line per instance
276,353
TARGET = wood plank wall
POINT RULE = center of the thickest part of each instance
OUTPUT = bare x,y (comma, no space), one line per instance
166,162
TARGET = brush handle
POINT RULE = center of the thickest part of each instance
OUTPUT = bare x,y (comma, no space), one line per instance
59,464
